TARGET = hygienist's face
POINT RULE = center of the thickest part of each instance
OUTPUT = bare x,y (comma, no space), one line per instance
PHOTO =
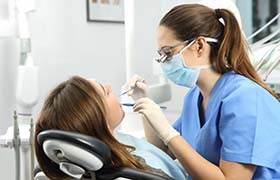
167,38
115,113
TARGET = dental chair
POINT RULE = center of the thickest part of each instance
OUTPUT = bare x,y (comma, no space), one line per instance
84,157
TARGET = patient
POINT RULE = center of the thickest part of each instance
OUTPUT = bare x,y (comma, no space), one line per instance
90,108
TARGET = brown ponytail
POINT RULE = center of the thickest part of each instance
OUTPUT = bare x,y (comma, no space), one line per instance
231,53
234,49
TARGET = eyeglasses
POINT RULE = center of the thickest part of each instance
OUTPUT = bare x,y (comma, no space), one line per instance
166,52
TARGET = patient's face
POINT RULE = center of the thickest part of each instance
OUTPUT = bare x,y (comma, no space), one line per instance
115,113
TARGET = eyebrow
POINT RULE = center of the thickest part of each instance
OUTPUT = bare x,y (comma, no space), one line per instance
176,45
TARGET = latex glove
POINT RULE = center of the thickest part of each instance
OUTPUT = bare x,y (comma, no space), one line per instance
153,114
139,88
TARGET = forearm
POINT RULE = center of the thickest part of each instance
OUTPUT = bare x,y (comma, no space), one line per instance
151,136
197,166
154,139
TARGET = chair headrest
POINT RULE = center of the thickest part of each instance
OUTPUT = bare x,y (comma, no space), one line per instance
74,153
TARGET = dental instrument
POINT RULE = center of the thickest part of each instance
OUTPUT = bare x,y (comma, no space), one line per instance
271,68
265,26
132,104
131,88
266,52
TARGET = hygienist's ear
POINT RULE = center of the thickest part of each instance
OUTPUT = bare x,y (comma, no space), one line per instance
201,44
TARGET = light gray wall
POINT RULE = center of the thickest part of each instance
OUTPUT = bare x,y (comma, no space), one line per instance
64,44
7,100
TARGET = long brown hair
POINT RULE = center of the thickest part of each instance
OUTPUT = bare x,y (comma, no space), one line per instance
231,53
76,106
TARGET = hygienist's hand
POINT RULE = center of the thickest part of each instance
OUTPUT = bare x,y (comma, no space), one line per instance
153,114
139,88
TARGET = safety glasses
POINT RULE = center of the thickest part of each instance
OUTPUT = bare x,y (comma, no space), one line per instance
166,52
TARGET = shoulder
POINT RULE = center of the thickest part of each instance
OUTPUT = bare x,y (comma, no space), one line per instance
243,96
233,81
238,87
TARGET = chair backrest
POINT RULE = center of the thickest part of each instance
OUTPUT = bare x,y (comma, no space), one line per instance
80,156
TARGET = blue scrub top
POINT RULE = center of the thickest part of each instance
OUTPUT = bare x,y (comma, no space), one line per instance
241,124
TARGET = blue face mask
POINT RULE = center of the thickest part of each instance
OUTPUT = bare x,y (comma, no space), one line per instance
181,74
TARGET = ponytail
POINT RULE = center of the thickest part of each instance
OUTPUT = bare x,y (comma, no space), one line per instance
230,53
233,51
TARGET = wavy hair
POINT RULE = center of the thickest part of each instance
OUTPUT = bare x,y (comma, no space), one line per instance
76,106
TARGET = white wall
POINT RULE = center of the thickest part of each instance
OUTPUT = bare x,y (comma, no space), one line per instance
64,44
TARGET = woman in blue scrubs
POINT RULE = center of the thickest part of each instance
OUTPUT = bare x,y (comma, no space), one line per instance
230,123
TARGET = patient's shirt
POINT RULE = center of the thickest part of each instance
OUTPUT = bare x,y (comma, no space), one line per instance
153,156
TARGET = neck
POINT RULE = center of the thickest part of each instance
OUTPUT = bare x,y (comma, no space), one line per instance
206,81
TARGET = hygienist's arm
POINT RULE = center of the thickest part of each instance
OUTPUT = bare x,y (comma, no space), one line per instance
197,166
152,138
201,169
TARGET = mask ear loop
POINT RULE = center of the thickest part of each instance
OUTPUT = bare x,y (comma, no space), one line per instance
201,67
187,46
183,61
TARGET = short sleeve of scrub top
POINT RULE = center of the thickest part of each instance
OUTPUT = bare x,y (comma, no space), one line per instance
250,128
242,124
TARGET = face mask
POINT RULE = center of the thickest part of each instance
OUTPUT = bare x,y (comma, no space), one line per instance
178,72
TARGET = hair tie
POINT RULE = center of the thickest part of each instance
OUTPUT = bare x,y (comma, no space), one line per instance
218,13
219,16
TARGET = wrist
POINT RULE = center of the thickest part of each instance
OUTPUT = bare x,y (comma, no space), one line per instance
172,134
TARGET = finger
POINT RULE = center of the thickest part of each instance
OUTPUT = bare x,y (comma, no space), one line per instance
143,100
140,107
126,86
130,91
140,101
141,85
135,79
131,82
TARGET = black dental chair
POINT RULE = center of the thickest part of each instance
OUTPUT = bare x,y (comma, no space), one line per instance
84,157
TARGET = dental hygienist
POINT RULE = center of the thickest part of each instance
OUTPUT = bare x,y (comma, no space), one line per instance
230,123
